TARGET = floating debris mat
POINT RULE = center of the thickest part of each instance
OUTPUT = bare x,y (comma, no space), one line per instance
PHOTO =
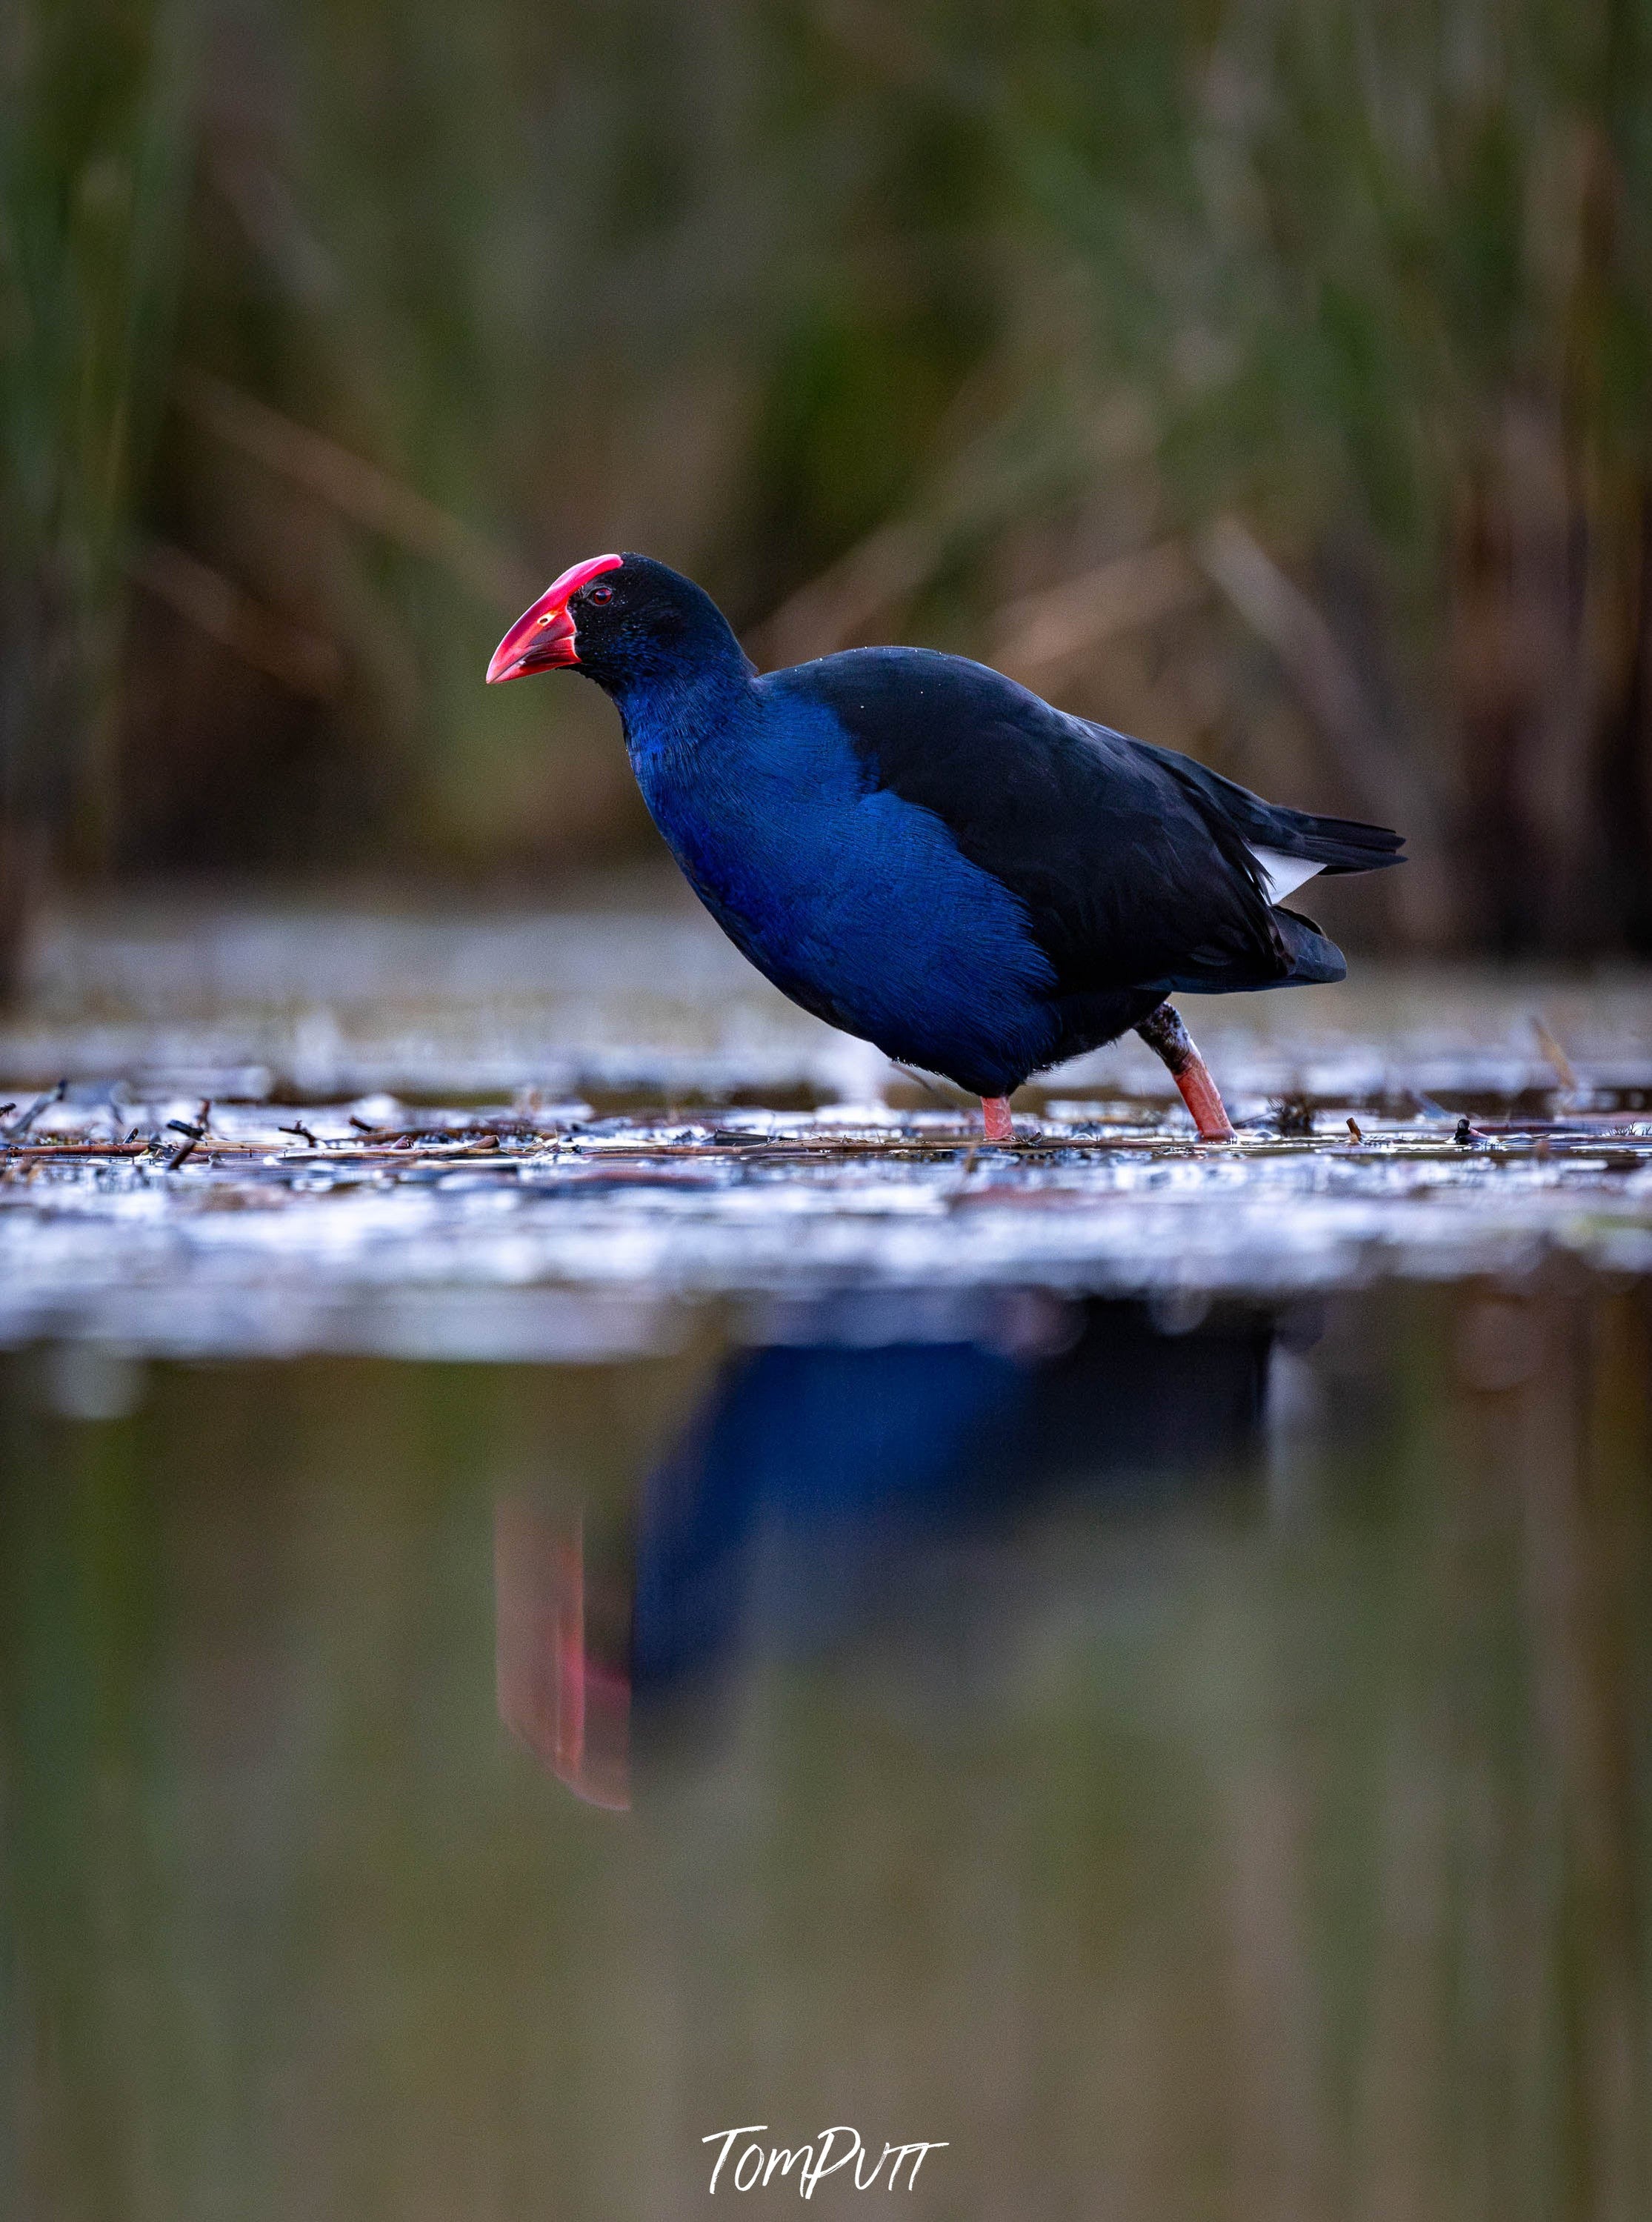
194,1227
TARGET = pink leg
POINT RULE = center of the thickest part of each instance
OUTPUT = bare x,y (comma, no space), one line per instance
1163,1032
995,1113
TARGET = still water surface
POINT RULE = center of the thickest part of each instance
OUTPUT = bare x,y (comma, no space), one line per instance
1192,1761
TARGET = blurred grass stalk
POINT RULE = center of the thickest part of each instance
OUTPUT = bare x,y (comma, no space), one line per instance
94,177
1271,380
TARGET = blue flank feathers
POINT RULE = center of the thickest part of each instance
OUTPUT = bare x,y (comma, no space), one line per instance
855,904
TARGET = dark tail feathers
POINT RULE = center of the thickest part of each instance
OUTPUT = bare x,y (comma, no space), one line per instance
1339,845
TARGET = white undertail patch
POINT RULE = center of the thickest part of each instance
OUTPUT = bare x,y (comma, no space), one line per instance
1283,874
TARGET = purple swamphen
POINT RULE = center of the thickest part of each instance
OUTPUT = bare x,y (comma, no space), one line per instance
927,855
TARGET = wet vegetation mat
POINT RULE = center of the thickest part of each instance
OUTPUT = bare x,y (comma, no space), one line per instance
195,1226
231,1132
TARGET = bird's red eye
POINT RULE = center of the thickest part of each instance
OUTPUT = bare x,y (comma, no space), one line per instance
598,594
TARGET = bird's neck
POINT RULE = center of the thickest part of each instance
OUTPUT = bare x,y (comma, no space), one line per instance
671,715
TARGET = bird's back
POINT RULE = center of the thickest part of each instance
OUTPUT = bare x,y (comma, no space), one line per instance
1136,866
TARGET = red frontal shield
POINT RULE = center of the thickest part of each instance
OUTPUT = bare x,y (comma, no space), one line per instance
541,639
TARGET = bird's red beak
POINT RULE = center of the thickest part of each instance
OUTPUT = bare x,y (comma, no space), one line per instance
541,639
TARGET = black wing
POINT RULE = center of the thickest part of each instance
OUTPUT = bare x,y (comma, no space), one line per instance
1132,872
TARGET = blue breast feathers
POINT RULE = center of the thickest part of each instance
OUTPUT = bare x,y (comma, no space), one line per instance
852,900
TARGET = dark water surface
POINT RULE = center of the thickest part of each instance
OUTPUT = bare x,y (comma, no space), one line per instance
1193,1759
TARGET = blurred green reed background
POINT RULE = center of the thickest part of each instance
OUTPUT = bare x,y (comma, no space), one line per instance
1270,379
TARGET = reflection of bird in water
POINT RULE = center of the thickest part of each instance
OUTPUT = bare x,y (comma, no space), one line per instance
811,1498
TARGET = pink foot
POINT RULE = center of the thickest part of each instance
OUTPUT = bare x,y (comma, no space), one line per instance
1200,1095
1163,1032
995,1113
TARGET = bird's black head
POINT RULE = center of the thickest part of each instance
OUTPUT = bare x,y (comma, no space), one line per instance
623,620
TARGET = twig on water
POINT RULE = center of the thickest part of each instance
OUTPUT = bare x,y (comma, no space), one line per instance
192,1137
36,1153
19,1127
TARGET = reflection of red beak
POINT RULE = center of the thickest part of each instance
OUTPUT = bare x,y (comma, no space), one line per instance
572,1710
541,639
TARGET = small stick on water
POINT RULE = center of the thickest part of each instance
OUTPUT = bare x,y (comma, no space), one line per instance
192,1136
298,1128
15,1132
55,1152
